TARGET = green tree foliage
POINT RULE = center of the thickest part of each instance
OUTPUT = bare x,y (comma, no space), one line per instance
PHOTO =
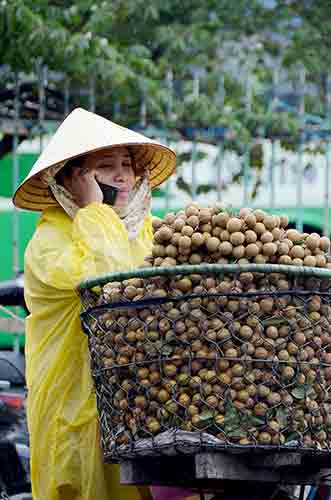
178,63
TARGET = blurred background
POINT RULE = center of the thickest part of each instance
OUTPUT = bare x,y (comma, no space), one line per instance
240,89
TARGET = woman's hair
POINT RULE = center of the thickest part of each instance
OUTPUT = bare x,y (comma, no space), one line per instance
66,171
79,161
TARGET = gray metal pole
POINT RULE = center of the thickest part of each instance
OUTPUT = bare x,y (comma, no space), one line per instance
299,222
302,82
272,174
15,176
143,111
275,82
167,185
169,109
219,165
246,176
170,87
42,82
15,181
92,94
196,85
249,92
193,171
326,225
221,90
66,97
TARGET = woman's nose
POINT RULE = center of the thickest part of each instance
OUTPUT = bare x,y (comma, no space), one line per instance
120,175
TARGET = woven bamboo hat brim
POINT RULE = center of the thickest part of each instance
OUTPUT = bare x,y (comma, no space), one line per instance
84,132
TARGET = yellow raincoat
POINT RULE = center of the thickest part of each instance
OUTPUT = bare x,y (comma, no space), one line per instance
66,459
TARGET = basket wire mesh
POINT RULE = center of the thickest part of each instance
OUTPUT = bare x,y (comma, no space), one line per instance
205,358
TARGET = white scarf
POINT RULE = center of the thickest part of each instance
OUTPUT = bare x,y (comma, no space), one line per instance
132,215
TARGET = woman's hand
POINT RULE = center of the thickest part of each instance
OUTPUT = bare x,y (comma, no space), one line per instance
84,187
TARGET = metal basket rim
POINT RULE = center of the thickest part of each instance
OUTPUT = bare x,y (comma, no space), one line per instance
149,272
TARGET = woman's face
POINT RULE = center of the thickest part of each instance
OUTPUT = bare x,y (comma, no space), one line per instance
114,168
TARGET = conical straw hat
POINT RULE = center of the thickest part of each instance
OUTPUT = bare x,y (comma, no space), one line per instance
84,132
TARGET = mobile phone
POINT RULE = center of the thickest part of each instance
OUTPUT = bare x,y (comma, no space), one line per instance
109,193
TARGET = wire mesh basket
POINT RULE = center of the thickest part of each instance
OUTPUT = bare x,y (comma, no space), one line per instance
211,357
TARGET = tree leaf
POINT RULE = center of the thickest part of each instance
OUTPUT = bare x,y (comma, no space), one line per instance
236,433
167,350
274,321
282,415
249,421
292,438
207,415
299,392
231,418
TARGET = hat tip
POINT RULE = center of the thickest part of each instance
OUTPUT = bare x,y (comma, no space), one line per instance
79,109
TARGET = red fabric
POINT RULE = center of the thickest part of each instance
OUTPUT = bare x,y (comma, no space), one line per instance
165,493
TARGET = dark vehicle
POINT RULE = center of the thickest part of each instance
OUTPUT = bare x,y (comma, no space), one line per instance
14,441
12,292
14,438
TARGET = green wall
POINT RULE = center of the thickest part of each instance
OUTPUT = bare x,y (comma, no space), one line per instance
27,222
6,172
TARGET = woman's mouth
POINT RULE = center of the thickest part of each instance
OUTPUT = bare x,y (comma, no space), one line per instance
123,192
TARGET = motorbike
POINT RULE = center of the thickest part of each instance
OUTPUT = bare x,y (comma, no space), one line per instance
14,449
14,439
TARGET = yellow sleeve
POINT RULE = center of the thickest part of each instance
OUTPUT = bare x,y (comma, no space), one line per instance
97,243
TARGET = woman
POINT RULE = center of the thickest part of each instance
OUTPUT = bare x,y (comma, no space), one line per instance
78,236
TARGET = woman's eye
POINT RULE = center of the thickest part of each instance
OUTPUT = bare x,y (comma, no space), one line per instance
105,165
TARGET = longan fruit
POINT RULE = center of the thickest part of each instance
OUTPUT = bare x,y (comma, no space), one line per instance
225,248
238,252
157,223
213,244
184,242
237,238
297,252
250,236
225,235
284,221
324,244
259,228
283,249
193,221
222,219
309,261
269,249
234,225
250,220
293,235
243,212
251,250
187,231
313,241
260,215
320,260
285,260
266,237
191,210
269,222
260,259
197,239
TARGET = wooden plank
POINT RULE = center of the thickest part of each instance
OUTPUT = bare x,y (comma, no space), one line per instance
222,466
216,471
163,470
275,460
